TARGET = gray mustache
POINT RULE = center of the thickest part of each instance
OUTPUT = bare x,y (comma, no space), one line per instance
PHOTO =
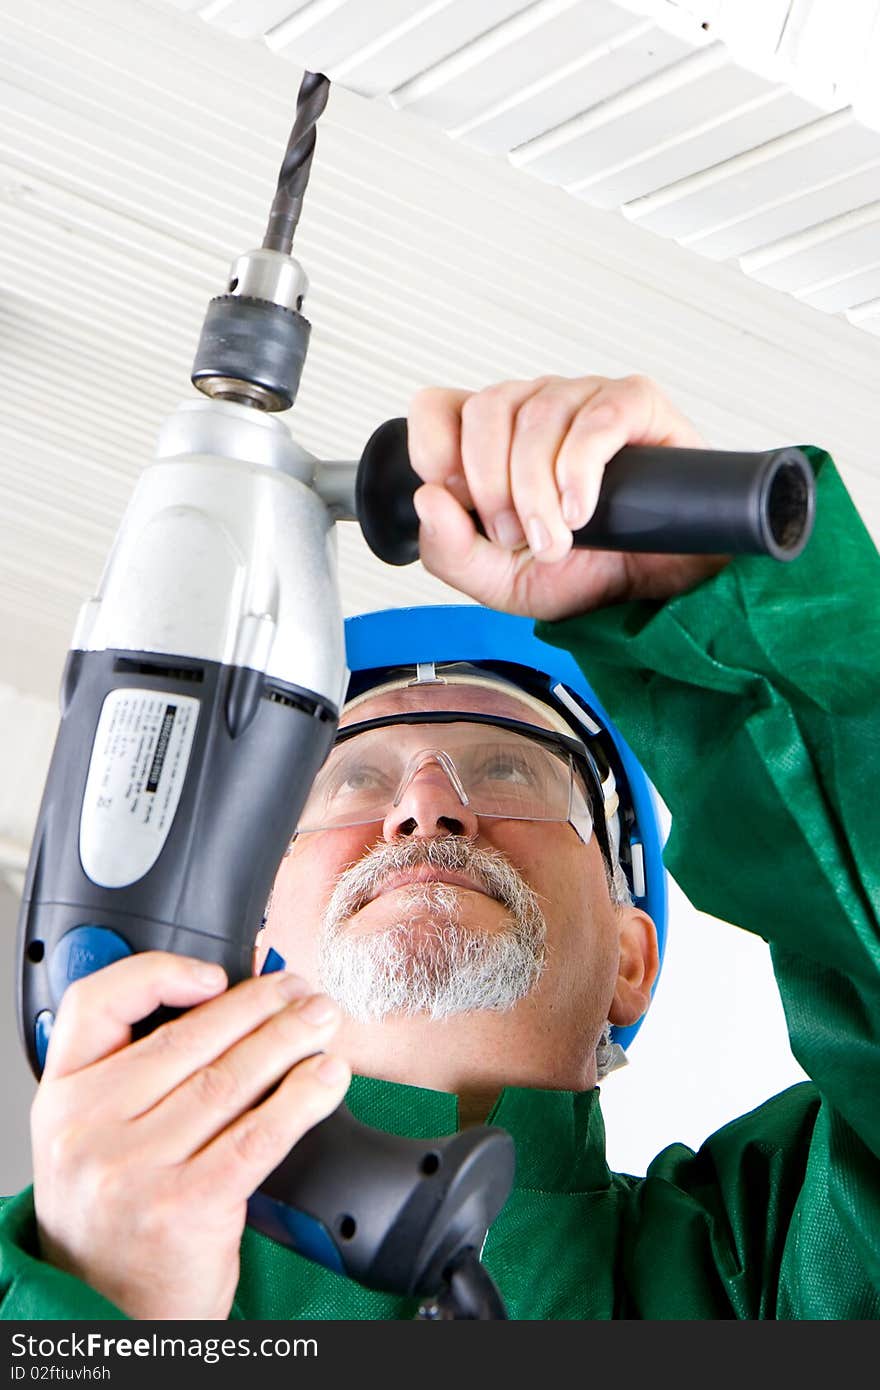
489,869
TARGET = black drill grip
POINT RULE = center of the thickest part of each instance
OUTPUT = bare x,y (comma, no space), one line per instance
394,1213
654,500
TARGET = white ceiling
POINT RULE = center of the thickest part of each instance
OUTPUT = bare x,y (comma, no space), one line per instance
139,149
742,128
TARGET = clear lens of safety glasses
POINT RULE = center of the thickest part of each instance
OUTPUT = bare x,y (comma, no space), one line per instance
495,772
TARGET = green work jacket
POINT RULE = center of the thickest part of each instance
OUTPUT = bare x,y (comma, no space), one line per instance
754,704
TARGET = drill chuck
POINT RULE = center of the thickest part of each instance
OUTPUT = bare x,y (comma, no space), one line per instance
254,339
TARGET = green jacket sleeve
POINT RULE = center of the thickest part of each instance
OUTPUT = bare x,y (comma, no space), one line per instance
753,703
29,1287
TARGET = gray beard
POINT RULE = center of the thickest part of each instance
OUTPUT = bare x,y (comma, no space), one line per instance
440,967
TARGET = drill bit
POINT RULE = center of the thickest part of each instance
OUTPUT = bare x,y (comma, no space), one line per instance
294,175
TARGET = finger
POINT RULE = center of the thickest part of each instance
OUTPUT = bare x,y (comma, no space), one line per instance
208,1101
434,439
540,427
153,1066
247,1151
487,424
631,410
96,1015
452,549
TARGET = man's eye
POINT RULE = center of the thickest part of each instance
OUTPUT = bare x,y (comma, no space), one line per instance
359,779
507,770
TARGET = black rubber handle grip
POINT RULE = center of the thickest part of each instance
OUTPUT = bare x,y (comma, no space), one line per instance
653,500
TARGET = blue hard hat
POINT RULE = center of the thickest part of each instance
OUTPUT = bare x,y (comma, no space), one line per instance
506,647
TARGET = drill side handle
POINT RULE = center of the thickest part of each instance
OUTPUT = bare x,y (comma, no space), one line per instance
655,500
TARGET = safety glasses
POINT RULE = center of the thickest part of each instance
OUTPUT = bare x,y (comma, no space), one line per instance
499,768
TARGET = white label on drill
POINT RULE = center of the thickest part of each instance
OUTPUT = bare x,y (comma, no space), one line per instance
136,775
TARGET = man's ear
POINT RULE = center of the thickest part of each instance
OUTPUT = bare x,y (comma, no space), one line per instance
637,968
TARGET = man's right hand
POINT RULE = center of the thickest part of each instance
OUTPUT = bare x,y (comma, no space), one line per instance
145,1153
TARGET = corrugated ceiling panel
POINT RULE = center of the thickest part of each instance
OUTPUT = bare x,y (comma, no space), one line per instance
762,195
829,251
658,142
547,47
704,120
866,316
377,48
557,94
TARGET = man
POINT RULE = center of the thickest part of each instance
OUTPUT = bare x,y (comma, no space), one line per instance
750,691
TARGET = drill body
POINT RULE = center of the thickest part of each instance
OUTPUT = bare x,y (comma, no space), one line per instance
200,697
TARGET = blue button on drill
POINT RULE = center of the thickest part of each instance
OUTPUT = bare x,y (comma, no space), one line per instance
81,951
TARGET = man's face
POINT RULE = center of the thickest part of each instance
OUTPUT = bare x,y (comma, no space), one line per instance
350,894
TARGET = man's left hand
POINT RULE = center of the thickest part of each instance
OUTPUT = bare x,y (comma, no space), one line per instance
529,458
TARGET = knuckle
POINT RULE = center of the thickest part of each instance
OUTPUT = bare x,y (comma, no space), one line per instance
640,385
424,395
490,400
256,1140
539,411
216,1086
426,399
474,407
109,1180
613,406
170,1040
65,1149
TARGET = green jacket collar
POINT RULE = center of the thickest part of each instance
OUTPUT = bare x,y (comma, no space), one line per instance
559,1135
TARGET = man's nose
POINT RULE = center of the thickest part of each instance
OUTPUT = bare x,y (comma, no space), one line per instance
430,807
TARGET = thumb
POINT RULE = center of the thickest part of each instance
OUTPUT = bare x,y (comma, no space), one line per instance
452,549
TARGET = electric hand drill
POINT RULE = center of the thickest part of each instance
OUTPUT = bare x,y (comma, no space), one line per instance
200,697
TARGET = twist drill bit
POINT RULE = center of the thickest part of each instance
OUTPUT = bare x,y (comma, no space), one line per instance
294,174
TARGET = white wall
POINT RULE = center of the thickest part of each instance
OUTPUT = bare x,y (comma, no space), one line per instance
713,1046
